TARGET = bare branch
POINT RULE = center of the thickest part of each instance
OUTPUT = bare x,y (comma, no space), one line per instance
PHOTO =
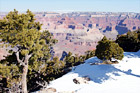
44,85
22,63
30,55
17,55
18,59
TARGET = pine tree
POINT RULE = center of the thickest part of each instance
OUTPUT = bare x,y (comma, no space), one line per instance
106,50
76,58
69,59
90,53
20,31
129,42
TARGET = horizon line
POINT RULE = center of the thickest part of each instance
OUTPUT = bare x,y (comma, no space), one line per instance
71,11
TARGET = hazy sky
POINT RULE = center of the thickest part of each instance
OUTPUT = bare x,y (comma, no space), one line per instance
71,5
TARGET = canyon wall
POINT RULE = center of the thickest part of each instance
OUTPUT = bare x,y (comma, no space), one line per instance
80,31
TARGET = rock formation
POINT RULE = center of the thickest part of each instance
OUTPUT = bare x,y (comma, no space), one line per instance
80,31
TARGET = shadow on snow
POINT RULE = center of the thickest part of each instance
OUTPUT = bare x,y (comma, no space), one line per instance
100,73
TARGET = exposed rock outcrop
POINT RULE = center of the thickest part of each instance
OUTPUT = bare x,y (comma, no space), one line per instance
81,80
48,90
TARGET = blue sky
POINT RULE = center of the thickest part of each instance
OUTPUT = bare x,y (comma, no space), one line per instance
71,5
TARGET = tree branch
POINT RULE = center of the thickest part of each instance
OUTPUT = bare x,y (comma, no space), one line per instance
18,59
30,55
43,84
17,55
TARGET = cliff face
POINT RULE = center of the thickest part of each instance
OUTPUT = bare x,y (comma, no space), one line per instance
80,31
103,21
77,41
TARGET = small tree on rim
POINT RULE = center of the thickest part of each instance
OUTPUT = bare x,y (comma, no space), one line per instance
106,50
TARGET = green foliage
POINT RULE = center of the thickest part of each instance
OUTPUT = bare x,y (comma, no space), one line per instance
24,52
106,49
52,70
129,42
22,32
75,60
82,58
90,53
19,29
69,59
55,66
10,74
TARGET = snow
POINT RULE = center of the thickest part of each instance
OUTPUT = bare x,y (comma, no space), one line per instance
116,78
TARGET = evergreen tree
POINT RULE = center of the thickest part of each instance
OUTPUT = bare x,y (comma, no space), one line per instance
129,42
20,31
82,58
106,50
69,59
90,53
76,58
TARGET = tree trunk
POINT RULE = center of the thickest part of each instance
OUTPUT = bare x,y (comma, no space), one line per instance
24,74
24,81
25,71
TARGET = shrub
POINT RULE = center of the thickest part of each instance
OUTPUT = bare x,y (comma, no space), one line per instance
106,50
129,42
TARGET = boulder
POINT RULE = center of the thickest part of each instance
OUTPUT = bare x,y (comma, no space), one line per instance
51,90
48,90
86,78
81,80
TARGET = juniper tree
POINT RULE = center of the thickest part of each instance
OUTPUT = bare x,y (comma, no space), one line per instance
129,42
69,59
90,53
20,31
106,50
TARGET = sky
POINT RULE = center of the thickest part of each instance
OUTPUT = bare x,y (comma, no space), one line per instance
71,5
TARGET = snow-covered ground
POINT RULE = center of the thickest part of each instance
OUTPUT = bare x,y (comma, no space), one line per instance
117,78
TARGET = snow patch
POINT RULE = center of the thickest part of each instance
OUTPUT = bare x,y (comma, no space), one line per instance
116,78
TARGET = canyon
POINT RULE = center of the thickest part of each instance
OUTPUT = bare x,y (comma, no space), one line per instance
78,32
